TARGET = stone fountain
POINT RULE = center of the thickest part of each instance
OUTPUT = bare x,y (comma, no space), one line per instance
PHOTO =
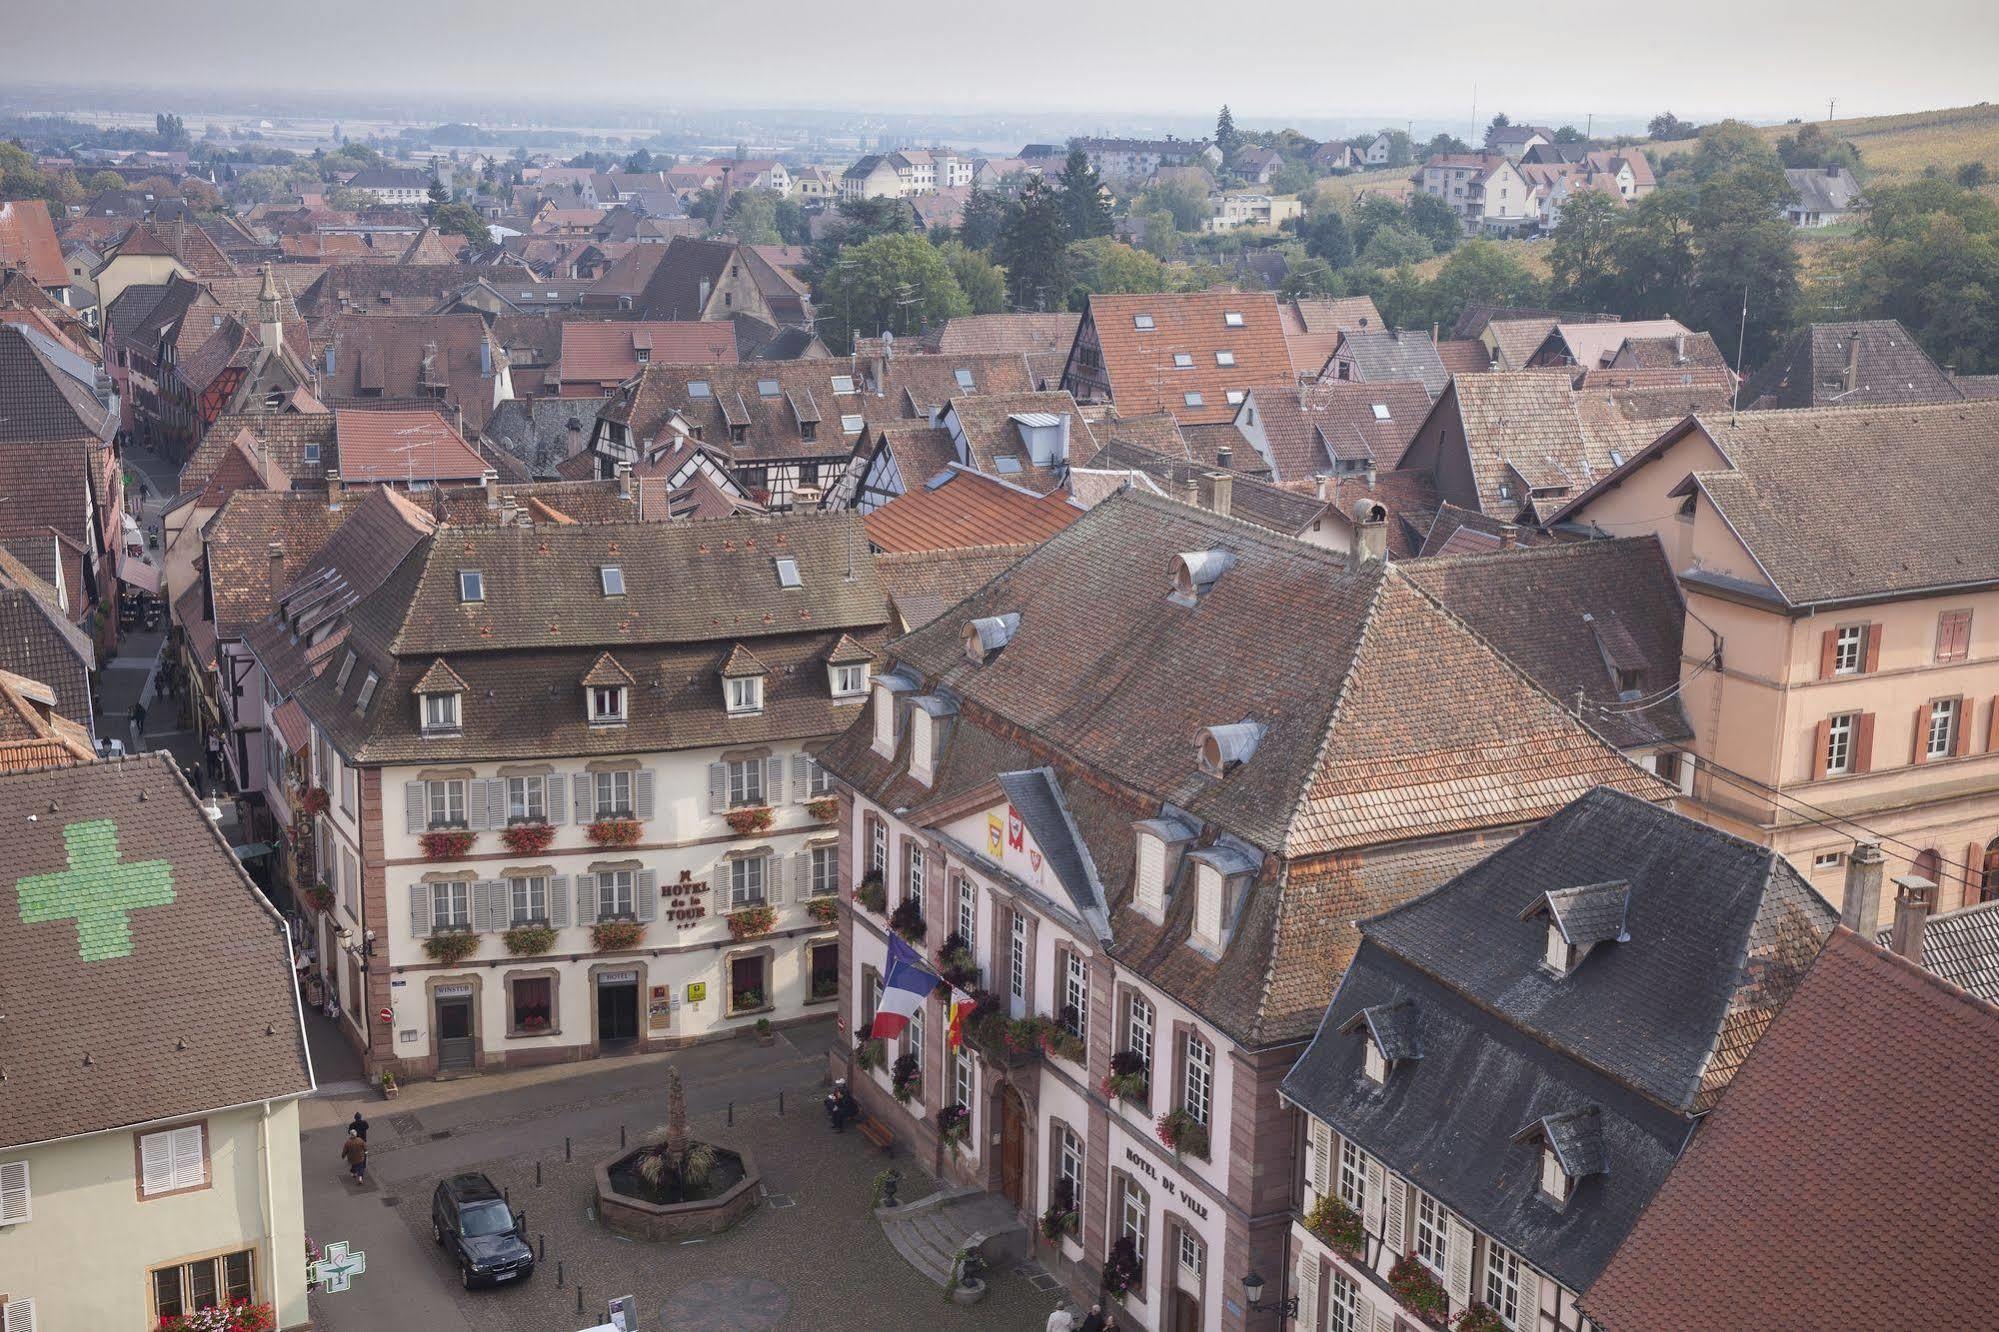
677,1187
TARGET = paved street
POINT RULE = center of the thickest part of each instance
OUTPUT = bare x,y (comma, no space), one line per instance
813,1257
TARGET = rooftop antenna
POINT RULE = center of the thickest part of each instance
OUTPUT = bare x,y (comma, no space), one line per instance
1741,337
1830,103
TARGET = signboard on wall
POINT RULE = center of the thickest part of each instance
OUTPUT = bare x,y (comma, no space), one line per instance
659,1007
697,992
995,835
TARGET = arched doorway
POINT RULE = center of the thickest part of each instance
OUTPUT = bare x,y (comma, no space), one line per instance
1013,1146
1988,888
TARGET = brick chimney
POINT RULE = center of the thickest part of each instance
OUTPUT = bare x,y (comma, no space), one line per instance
624,481
277,558
1222,487
1860,907
1509,536
1914,898
335,490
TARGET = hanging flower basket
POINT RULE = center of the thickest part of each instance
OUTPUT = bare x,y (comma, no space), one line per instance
313,801
446,843
528,940
954,1125
614,832
1127,1079
241,1317
825,910
870,893
1183,1134
907,920
955,962
1479,1318
611,936
825,809
905,1078
527,839
870,1054
743,822
1123,1272
454,946
1337,1224
320,897
751,922
1420,1291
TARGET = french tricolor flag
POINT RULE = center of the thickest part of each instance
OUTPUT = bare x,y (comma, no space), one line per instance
905,986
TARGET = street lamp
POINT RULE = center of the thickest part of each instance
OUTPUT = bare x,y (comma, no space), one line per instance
1252,1286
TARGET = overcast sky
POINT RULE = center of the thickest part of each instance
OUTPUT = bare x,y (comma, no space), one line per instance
1766,59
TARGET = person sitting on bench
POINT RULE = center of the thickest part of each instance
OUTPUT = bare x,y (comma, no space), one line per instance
840,1106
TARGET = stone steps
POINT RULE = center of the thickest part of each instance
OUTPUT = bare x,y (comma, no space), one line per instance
929,1232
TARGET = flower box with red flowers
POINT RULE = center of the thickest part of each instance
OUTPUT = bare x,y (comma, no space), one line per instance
451,946
527,839
611,936
446,843
613,832
1124,1271
907,920
743,822
1479,1318
905,1078
751,922
319,897
1183,1134
242,1316
825,910
1338,1225
313,801
954,1126
1420,1291
824,809
870,892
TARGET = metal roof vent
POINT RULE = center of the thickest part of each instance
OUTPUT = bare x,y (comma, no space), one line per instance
985,636
1195,571
1226,748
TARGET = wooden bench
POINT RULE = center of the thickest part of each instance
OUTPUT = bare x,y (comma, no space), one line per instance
874,1131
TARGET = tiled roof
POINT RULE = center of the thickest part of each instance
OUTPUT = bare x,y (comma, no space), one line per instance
389,358
921,585
1139,362
1591,345
238,544
410,289
1671,353
1962,947
1780,1214
537,430
28,242
627,276
1464,356
48,492
1402,355
1821,367
177,993
1453,531
1517,339
1407,496
1009,333
609,353
991,428
34,732
1274,508
918,385
1549,610
37,641
1332,421
966,508
47,389
284,435
390,445
771,404
1805,496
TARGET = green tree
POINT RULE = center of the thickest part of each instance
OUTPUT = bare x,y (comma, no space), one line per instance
1499,122
1431,218
793,226
1084,207
1032,249
102,181
978,277
1653,254
1479,272
438,195
1184,196
1371,214
1582,251
172,133
1395,245
1227,138
639,161
1729,144
753,217
1401,152
1440,145
1568,134
1931,260
1667,126
895,283
1326,237
1107,266
1971,175
979,223
457,219
1811,147
1161,238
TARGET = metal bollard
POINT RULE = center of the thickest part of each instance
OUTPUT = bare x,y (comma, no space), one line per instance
537,1174
621,1137
780,1103
541,1256
732,1113
565,1149
558,1275
579,1299
507,1195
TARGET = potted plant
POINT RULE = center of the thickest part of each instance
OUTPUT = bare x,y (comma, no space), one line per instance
743,822
527,839
907,920
312,801
320,896
451,946
534,1024
955,962
1123,1272
612,936
1419,1290
1338,1225
530,939
1127,1079
870,893
824,809
870,1054
905,1078
1479,1318
824,910
613,832
825,987
389,1087
242,1316
746,1001
765,1036
954,1125
1059,1037
1061,1220
752,922
446,843
1183,1134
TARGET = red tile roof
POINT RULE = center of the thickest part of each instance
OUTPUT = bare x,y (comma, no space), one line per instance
390,445
28,242
968,509
1820,1195
608,353
1139,362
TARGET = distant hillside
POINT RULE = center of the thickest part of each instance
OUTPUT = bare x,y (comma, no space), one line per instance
1899,147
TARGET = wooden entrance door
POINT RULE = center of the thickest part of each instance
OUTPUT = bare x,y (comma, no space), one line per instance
1013,1147
1183,1314
454,1032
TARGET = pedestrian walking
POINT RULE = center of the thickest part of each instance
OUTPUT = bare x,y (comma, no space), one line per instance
354,1152
359,1126
1095,1321
139,717
1061,1321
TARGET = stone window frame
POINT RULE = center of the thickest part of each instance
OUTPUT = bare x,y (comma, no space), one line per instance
757,759
598,869
139,1137
553,975
1123,1183
506,875
732,956
811,947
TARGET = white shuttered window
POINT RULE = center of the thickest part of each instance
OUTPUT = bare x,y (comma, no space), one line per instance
172,1159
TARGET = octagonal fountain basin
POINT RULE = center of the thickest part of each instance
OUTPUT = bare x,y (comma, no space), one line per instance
631,1205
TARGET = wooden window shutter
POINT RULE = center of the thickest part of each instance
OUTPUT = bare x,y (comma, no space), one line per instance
1974,873
558,800
1821,736
477,792
1321,1140
718,889
1384,1321
1873,648
14,1195
774,880
156,1163
1371,1206
190,1169
1308,1290
416,804
801,777
642,782
1828,652
1458,1261
19,1316
586,798
1960,744
1395,1224
1992,727
1919,747
1863,744
773,780
496,803
718,788
586,899
482,905
646,893
420,910
558,901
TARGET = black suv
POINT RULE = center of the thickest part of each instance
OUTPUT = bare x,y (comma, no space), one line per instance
471,1221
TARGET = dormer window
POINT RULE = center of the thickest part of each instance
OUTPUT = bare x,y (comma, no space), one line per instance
1223,749
1390,1035
1221,879
1554,1179
1374,1064
612,579
1572,1149
746,695
787,573
1579,919
850,680
607,705
987,635
929,718
1561,955
440,714
471,585
1160,844
1194,572
367,694
888,689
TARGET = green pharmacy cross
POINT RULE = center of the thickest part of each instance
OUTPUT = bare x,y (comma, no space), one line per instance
337,1268
99,891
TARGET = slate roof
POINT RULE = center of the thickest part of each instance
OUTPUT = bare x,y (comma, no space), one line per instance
1805,497
1962,947
358,289
1036,795
1720,932
694,591
1334,421
38,641
47,389
921,585
193,1009
1548,608
963,507
1793,1208
1009,333
1816,190
1403,355
1811,370
536,430
1139,362
28,242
